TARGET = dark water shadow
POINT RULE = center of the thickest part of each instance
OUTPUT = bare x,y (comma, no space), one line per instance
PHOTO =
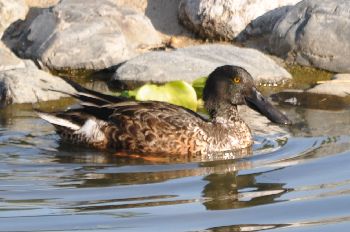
312,100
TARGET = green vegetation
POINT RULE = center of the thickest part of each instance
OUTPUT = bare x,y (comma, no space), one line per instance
198,85
175,92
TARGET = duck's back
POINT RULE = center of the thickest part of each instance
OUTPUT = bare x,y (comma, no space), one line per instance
154,127
158,127
138,127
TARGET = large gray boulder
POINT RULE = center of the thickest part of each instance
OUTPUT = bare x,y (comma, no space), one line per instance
193,62
30,85
224,18
22,82
11,11
82,34
315,33
258,31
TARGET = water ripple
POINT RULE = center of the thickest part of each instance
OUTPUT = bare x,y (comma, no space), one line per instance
293,182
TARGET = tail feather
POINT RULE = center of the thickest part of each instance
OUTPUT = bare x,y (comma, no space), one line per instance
61,122
92,102
84,125
84,97
88,132
88,95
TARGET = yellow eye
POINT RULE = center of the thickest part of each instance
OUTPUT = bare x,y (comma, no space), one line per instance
236,79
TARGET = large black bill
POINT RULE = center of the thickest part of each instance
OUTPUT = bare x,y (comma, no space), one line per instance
259,103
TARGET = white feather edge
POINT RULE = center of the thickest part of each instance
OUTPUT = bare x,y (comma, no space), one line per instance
58,121
92,130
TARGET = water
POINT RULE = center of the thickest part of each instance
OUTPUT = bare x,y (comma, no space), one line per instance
298,180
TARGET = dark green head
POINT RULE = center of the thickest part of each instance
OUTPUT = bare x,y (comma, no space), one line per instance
233,85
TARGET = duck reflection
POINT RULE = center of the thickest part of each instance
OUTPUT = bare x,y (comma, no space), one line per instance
226,188
168,167
230,191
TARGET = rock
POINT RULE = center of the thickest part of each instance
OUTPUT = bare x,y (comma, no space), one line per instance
258,31
29,85
164,18
140,5
193,62
22,82
338,86
315,33
41,3
11,11
83,34
224,18
8,60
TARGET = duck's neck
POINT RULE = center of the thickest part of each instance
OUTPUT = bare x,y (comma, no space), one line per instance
225,114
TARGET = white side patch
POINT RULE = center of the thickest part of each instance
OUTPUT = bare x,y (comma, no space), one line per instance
91,130
58,121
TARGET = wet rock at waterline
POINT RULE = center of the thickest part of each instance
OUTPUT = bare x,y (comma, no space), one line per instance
224,18
11,11
29,85
315,33
338,86
22,82
82,34
193,62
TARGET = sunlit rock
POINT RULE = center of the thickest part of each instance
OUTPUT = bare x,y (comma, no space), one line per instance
8,60
338,86
29,85
258,31
315,33
11,11
224,18
140,5
198,61
22,82
82,34
41,3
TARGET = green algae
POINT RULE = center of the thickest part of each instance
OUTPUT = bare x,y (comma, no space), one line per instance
80,75
306,77
302,78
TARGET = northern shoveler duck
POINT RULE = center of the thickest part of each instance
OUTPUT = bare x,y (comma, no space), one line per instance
120,124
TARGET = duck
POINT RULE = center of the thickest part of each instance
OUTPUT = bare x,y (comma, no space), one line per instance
119,124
